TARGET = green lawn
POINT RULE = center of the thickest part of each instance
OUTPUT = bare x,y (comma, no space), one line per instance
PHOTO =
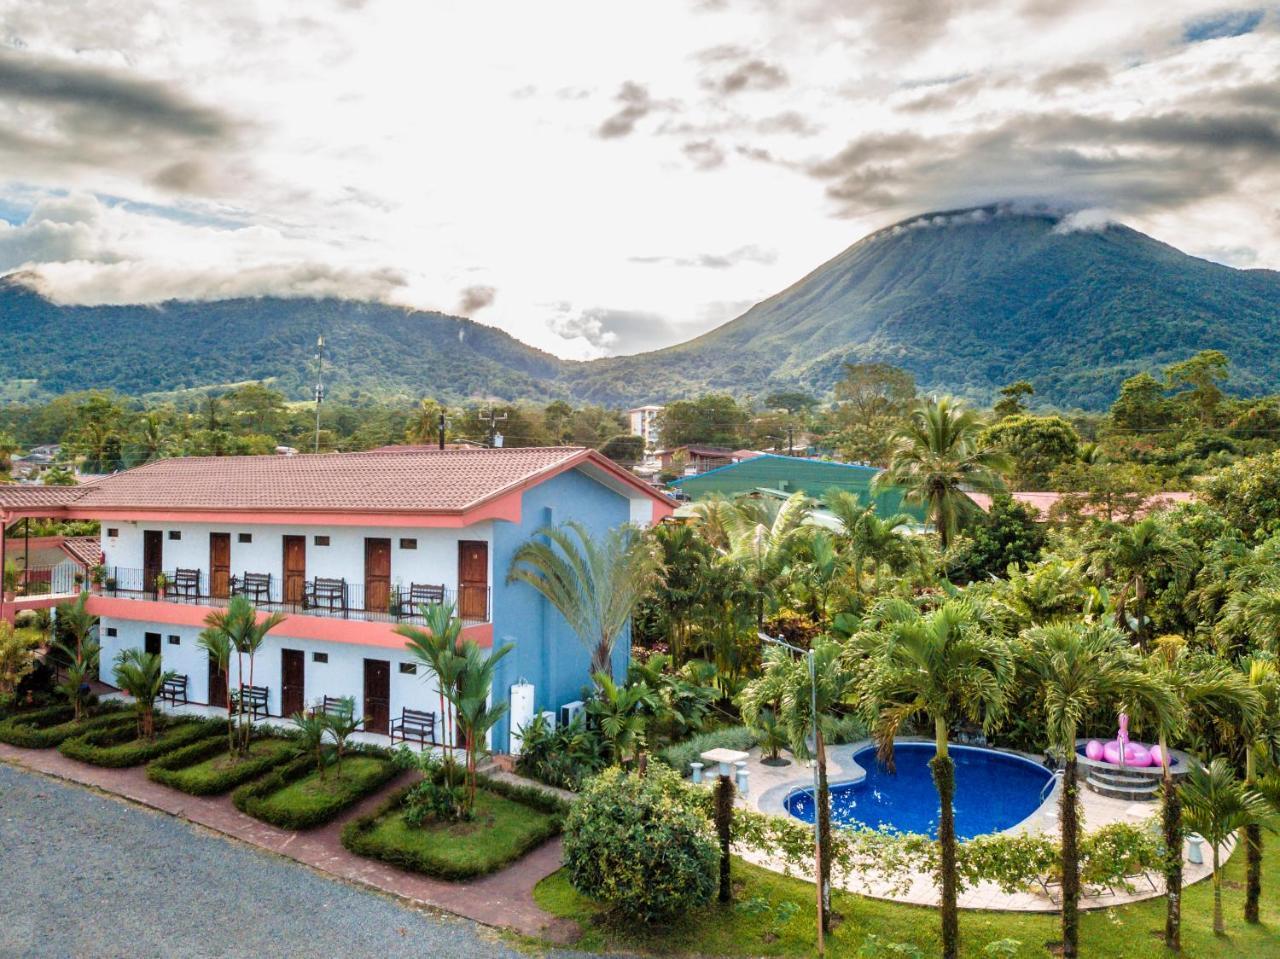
218,771
298,797
501,832
1119,933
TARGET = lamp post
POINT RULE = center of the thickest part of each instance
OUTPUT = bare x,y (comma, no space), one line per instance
817,834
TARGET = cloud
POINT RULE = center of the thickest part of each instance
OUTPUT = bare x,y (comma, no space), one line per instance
475,298
751,74
1084,221
1079,76
636,105
705,154
714,261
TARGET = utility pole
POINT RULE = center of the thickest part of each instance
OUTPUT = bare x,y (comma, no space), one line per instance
441,427
791,441
319,385
493,419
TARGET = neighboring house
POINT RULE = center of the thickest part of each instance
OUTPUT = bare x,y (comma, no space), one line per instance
347,545
644,422
696,458
791,474
1044,502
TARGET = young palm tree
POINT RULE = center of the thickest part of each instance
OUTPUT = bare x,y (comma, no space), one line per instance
594,584
760,541
218,645
1079,667
1134,555
142,676
239,623
1219,805
621,713
944,666
76,620
868,538
341,725
1210,688
437,648
82,664
477,712
311,729
937,456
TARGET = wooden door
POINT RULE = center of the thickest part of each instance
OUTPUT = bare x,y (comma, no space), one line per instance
295,569
220,565
217,684
377,574
473,580
293,694
152,557
377,695
151,643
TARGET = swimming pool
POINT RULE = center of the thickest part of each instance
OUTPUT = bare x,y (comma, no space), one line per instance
994,791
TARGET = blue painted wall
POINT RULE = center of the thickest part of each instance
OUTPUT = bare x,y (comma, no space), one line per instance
547,653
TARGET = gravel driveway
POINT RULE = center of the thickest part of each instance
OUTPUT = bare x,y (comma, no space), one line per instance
82,875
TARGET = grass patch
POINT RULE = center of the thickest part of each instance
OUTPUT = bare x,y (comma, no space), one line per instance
294,796
117,746
50,726
206,768
1123,932
502,831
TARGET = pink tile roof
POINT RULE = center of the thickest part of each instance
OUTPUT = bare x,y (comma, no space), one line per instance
14,496
85,550
1043,502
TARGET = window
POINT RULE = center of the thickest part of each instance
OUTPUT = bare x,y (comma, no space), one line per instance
111,631
175,534
245,538
409,668
112,533
408,544
319,657
322,540
175,640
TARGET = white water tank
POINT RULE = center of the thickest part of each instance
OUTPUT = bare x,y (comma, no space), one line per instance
521,712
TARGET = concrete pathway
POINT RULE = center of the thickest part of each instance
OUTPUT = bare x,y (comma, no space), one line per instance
503,900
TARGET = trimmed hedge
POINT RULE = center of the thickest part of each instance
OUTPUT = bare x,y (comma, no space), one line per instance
679,756
361,837
259,800
118,746
50,726
177,769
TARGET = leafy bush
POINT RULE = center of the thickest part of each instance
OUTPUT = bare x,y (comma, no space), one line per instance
679,756
440,796
117,746
841,730
47,727
192,769
297,796
560,756
636,844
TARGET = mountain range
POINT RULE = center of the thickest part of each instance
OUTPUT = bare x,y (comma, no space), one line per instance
967,300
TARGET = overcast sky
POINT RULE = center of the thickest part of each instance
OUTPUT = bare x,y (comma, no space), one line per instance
598,181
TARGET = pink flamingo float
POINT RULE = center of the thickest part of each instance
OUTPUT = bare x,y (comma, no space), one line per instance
1121,752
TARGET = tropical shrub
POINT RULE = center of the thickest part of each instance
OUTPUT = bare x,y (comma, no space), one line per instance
17,656
561,756
441,794
637,844
679,756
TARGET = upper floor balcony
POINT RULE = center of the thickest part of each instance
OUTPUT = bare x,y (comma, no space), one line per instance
330,597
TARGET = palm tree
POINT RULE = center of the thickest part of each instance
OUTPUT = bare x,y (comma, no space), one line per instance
594,584
477,709
867,537
142,676
311,728
944,666
760,541
341,724
1261,735
823,571
239,623
8,446
620,712
152,438
1134,555
937,456
1208,687
82,663
1253,611
1218,805
76,620
1079,667
218,645
437,648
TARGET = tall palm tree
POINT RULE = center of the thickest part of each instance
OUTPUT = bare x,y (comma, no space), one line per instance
867,537
1253,611
437,648
944,666
239,623
218,645
1079,667
760,541
595,584
1219,805
142,676
1261,734
936,456
1134,555
1208,687
477,709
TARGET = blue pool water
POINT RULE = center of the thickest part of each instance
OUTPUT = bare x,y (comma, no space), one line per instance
994,791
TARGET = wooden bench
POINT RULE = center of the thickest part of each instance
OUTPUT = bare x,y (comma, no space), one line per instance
414,724
186,582
257,586
255,698
418,595
344,706
174,687
330,594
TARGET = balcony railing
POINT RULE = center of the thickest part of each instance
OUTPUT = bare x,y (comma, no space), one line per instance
64,579
330,598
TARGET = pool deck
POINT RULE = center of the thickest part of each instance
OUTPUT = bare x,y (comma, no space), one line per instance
770,785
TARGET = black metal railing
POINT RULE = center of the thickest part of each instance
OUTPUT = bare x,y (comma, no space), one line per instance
334,598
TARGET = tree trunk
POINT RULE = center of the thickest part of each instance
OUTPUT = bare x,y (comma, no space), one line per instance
1171,820
944,780
1070,859
1253,848
724,831
824,830
1219,927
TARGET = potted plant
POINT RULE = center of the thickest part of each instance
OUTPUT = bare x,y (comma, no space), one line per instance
162,583
109,584
97,575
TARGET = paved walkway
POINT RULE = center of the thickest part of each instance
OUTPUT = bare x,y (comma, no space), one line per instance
503,900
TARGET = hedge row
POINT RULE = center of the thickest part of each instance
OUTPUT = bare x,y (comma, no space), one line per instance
176,771
48,727
118,746
358,836
256,798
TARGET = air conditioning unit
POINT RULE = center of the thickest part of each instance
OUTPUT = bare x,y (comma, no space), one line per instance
571,711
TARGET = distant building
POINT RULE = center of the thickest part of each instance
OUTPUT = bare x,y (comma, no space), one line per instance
1042,503
768,472
695,458
644,422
